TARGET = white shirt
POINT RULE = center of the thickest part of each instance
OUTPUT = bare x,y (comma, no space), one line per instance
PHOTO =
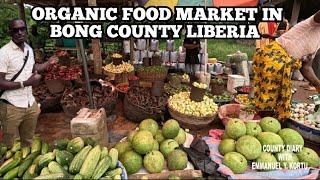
302,39
11,61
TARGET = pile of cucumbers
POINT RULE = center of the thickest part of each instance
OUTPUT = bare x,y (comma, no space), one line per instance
78,158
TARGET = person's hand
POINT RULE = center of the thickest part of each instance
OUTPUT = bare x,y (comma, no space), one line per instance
306,58
33,80
53,60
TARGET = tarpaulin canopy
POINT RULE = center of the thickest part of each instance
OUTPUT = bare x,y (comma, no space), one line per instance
169,3
219,3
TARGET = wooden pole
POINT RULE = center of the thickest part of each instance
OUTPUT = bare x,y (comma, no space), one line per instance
131,41
85,68
96,48
22,14
295,12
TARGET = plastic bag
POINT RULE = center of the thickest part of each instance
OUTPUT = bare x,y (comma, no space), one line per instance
198,155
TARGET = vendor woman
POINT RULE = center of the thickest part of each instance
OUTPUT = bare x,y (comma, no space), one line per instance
273,66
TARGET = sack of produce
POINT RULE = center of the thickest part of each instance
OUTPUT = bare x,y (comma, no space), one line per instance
174,57
154,45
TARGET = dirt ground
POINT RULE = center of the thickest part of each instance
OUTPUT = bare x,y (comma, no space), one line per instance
52,126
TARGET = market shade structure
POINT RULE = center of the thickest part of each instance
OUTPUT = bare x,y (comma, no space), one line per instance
242,3
169,3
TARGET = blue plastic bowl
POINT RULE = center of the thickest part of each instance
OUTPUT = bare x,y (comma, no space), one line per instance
124,174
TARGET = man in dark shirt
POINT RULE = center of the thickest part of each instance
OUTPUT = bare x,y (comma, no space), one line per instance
192,46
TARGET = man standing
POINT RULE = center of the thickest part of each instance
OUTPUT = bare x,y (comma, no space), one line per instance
192,46
18,109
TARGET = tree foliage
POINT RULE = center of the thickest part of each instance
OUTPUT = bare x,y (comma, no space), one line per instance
7,13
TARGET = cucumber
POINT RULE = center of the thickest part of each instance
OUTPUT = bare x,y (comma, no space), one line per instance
78,177
117,177
61,144
44,171
33,155
16,146
31,172
3,150
24,166
46,159
9,165
53,176
75,145
37,160
55,167
36,144
64,157
104,152
25,152
8,154
18,154
102,167
89,141
90,163
12,173
113,153
114,172
78,160
44,148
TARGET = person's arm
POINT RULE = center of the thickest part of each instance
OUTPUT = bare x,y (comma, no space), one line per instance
308,72
317,17
43,67
9,85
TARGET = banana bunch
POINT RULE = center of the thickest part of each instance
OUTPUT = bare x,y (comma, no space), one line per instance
182,103
200,85
122,68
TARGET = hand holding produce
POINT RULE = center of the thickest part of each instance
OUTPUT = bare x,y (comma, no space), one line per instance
183,104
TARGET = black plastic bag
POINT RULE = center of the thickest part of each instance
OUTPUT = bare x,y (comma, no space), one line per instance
198,155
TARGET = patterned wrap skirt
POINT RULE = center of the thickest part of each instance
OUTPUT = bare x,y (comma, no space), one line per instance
273,68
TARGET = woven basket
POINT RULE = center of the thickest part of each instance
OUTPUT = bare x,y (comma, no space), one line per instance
50,104
137,114
230,111
306,132
191,122
152,76
217,89
109,106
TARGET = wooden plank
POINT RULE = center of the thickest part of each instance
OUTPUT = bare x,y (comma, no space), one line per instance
295,12
96,48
